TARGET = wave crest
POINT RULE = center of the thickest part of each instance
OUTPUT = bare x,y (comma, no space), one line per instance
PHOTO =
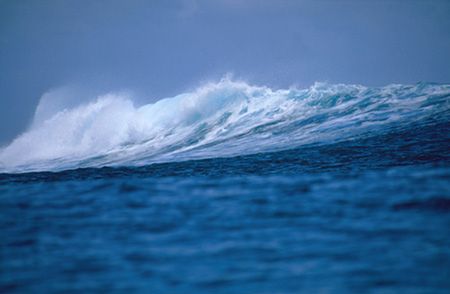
219,119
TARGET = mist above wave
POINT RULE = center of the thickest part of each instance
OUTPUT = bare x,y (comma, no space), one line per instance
218,119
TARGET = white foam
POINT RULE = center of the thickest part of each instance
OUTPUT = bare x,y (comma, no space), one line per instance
219,119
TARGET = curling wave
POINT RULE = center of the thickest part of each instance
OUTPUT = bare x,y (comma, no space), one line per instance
221,119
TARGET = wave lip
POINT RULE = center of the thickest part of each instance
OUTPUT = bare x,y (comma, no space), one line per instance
221,119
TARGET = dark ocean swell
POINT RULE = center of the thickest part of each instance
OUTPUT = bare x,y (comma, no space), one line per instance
232,189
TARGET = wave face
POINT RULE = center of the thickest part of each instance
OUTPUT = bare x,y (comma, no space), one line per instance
221,119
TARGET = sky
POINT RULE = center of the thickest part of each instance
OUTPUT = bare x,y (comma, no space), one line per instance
158,49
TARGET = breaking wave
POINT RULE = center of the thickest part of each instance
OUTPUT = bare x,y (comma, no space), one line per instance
221,119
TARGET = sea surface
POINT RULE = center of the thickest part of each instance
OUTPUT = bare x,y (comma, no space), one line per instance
232,188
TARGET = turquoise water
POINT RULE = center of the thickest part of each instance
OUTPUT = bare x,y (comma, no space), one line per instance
232,189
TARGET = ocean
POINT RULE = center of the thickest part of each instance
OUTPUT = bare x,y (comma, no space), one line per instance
232,188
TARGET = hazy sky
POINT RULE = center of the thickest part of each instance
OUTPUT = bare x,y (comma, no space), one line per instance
162,48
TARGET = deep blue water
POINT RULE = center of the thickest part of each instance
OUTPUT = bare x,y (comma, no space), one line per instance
367,211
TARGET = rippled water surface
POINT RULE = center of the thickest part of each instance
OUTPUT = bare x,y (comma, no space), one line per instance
362,209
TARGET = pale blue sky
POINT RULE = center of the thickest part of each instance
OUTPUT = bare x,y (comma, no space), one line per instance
162,48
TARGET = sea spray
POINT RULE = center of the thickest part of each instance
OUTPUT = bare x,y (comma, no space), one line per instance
226,118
